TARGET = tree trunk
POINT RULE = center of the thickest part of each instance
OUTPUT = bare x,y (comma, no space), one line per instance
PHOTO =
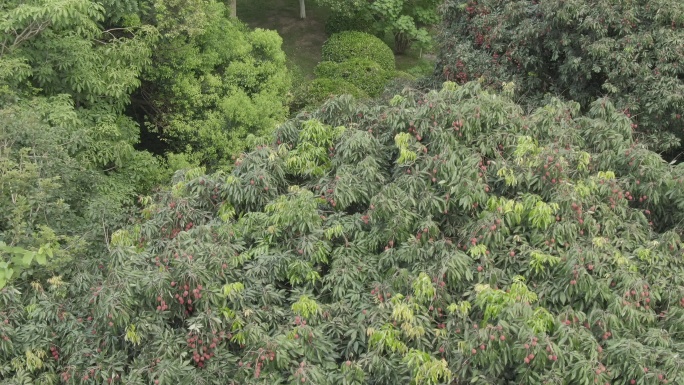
302,9
401,43
233,8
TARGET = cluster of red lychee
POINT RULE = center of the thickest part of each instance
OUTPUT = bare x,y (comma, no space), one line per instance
457,125
301,372
552,171
54,352
263,356
252,182
365,218
154,364
328,193
389,245
439,281
578,210
551,356
639,299
4,337
483,167
575,275
161,262
162,304
185,295
425,231
530,356
496,335
201,351
382,296
66,376
412,130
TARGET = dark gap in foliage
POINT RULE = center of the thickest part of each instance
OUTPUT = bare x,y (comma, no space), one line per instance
143,112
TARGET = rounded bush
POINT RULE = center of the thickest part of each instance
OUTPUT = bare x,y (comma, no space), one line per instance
319,90
363,73
353,44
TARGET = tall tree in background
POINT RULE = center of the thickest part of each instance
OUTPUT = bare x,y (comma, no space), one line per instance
56,53
212,81
302,9
233,8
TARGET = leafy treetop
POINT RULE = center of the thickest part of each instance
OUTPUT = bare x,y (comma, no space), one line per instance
440,237
630,51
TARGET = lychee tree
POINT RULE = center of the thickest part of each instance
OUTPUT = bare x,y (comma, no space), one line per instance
440,237
631,51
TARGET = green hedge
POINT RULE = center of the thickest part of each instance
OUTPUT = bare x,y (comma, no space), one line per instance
363,73
354,44
319,90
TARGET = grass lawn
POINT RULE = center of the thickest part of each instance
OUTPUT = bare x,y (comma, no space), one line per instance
302,38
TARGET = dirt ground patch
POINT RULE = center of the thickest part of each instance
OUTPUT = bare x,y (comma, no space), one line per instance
302,38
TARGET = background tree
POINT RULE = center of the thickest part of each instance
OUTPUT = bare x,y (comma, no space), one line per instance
357,45
629,51
302,9
365,74
70,169
212,81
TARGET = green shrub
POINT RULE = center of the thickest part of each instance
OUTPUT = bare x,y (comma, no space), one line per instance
319,90
353,44
422,68
339,22
363,73
404,75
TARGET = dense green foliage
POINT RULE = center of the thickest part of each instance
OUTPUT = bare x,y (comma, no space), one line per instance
319,90
444,237
67,150
631,51
448,236
341,22
60,48
354,44
406,20
70,168
365,74
213,82
355,63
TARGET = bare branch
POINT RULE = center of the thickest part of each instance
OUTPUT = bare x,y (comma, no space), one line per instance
32,30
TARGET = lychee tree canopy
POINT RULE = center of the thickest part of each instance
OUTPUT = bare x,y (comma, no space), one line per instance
440,237
631,51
